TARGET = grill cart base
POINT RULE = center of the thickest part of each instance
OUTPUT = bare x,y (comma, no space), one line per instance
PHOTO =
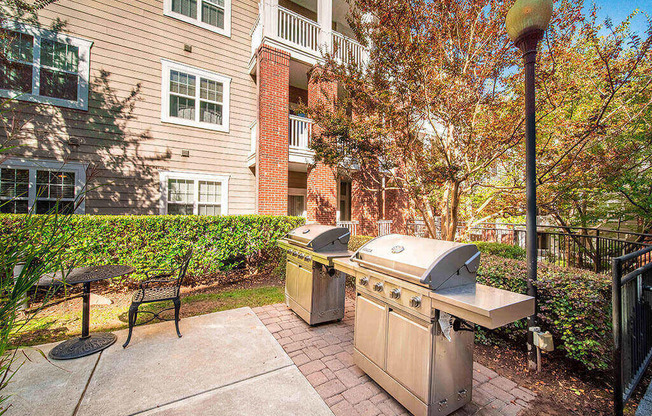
314,290
416,302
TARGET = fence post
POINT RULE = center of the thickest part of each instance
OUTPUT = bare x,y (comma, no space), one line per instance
597,262
616,304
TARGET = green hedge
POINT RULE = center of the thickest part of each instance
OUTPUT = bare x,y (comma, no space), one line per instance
358,241
499,249
574,305
153,241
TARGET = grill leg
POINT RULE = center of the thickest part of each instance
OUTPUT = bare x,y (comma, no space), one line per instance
177,306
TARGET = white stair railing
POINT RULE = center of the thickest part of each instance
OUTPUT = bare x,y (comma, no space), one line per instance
298,30
299,131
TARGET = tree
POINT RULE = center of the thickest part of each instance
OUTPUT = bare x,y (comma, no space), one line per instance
429,110
438,107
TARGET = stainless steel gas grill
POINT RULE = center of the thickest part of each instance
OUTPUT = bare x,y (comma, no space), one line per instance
313,288
417,300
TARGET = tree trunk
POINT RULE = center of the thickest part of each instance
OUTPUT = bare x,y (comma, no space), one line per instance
450,210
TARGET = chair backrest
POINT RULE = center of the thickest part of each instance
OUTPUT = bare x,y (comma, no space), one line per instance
183,267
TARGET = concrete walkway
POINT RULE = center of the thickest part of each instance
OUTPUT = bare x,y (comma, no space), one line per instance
227,363
645,406
323,355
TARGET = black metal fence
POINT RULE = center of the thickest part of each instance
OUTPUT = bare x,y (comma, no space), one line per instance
632,322
586,248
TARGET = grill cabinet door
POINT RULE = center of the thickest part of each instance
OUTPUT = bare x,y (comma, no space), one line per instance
304,287
408,353
370,329
291,279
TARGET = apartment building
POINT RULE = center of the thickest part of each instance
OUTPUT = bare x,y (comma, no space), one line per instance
178,107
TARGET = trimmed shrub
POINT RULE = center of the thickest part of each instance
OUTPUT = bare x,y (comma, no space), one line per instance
153,241
508,251
358,241
574,305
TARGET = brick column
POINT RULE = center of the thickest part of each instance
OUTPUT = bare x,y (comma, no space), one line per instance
273,76
322,184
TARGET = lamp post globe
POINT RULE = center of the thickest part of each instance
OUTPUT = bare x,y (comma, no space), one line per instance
526,22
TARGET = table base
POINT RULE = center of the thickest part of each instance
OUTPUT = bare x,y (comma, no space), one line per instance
81,347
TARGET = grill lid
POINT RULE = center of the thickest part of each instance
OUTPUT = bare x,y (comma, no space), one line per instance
437,264
323,238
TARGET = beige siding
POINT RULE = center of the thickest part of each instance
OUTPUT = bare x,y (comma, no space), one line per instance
127,149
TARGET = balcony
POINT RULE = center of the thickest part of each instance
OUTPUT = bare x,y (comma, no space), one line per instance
299,131
303,38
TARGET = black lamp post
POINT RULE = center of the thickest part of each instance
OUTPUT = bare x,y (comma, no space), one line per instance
526,22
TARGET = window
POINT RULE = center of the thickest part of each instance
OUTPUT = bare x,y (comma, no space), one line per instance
214,15
44,66
193,194
39,185
194,97
297,201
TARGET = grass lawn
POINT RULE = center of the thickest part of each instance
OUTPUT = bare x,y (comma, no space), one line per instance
63,320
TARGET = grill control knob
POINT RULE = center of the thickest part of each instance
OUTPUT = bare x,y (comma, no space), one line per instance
415,302
364,281
378,287
295,253
395,293
308,258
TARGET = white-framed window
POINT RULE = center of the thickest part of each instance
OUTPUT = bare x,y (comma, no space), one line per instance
214,15
38,185
44,66
194,97
189,193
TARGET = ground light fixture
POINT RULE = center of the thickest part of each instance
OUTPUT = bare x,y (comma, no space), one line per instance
526,23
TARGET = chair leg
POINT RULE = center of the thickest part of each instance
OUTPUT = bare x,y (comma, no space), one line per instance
177,307
133,315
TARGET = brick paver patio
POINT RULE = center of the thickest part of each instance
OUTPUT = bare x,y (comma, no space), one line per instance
323,355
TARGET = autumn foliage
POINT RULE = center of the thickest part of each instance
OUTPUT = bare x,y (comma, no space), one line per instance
437,109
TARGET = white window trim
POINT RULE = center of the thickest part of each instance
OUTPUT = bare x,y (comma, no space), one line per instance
168,66
197,177
79,169
167,10
83,66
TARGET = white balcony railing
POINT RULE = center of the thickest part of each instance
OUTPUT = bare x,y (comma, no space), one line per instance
351,225
299,131
346,49
302,37
298,30
384,227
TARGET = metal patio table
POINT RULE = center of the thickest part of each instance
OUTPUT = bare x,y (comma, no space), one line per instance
87,343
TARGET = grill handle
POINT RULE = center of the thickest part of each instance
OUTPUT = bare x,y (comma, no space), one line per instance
387,270
469,261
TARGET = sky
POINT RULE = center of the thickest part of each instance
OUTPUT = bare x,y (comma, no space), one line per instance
618,10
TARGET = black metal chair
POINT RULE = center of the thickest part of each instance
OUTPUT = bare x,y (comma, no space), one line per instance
158,287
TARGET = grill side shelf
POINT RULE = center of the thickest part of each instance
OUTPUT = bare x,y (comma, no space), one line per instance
484,305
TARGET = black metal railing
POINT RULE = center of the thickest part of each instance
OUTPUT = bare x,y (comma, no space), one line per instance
632,322
586,248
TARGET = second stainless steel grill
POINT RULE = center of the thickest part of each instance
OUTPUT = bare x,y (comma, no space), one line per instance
313,288
416,302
